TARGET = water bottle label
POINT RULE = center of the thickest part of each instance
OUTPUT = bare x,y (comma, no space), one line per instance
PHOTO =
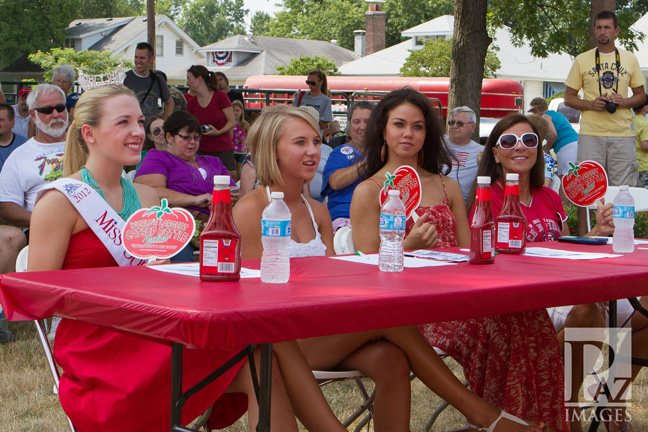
510,235
625,212
392,222
220,254
275,228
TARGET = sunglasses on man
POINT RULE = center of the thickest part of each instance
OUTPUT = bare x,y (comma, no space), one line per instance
459,123
48,109
509,141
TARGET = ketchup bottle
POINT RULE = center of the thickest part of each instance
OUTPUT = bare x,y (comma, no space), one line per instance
220,241
482,229
511,222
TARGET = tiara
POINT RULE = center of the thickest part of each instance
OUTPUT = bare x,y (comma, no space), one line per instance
88,82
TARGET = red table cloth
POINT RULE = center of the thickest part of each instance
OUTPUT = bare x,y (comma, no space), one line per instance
324,296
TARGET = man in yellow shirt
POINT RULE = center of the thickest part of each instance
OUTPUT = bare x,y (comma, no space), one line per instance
605,74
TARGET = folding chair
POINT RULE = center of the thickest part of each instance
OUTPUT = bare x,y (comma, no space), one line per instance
41,328
343,241
327,377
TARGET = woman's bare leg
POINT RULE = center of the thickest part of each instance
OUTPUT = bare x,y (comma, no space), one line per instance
387,366
282,417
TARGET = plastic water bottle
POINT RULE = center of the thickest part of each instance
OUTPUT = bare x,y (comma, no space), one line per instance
624,206
275,236
392,232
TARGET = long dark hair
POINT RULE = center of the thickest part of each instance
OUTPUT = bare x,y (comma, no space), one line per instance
208,77
436,156
322,76
489,167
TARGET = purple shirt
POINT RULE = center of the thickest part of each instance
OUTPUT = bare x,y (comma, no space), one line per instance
182,176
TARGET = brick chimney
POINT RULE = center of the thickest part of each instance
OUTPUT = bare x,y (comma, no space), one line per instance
375,25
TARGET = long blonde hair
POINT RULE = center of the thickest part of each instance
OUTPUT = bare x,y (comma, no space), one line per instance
88,111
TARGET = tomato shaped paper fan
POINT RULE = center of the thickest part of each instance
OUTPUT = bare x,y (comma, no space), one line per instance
158,232
585,183
408,182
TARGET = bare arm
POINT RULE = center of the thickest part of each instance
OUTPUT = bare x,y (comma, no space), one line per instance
458,208
169,106
344,177
323,219
644,145
365,217
229,124
49,236
15,214
247,217
176,199
573,101
638,97
248,179
552,134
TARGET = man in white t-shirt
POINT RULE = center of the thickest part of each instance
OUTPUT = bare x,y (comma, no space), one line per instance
39,160
461,124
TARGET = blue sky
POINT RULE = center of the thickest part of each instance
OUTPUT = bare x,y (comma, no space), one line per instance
261,5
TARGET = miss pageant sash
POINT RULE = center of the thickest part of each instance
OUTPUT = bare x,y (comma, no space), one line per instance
100,217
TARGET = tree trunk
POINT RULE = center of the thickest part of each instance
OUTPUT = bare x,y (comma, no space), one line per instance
595,7
470,43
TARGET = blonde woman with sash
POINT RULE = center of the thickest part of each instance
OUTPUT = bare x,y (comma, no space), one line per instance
113,381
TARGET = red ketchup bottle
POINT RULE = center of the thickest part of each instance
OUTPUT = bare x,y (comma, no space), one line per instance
511,222
220,241
482,229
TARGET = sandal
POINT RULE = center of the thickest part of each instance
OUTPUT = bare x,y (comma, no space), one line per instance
503,415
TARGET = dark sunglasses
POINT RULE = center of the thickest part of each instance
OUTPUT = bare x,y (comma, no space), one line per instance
311,82
156,131
458,122
49,109
509,141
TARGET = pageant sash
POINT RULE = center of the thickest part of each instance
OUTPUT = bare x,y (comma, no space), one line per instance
100,217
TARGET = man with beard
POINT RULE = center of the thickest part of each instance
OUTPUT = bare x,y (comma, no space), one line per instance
39,160
21,110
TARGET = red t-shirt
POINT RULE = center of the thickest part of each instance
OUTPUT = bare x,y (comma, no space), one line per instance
545,216
213,115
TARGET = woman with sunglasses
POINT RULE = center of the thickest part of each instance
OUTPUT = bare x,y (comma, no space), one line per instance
513,148
403,130
213,110
179,174
154,129
317,96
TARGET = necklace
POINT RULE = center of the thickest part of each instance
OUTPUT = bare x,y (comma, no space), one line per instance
129,195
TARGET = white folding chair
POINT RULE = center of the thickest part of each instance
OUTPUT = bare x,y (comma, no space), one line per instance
640,196
343,241
21,266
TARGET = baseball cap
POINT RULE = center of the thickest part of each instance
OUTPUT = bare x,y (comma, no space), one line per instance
23,91
71,100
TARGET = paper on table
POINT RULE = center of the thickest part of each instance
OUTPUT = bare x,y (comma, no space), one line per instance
193,269
438,255
564,254
408,262
636,241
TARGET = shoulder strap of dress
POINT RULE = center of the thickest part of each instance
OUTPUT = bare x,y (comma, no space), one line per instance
443,184
100,217
310,211
268,193
375,181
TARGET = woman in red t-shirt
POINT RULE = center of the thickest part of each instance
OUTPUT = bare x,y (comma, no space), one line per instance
213,109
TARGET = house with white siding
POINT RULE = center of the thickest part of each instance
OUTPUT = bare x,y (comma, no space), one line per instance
173,47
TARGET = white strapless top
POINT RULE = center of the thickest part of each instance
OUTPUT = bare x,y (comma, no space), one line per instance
314,247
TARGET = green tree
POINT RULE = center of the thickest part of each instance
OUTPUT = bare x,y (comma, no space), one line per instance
319,20
433,60
260,24
90,62
560,26
170,8
31,25
208,21
303,64
405,14
111,8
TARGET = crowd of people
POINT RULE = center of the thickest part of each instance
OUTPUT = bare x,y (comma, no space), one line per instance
513,363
